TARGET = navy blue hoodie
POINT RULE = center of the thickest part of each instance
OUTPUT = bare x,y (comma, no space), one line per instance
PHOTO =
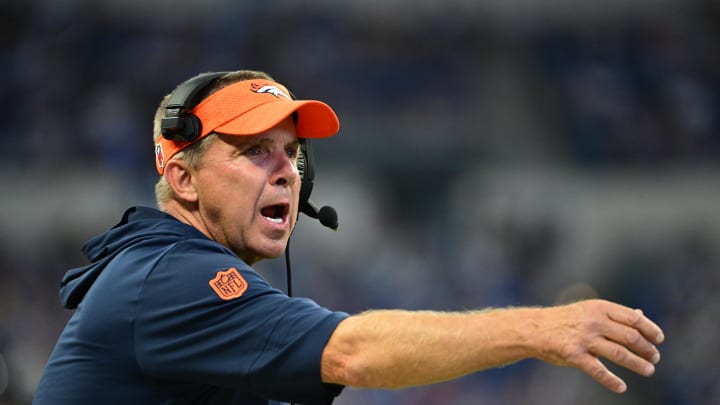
164,315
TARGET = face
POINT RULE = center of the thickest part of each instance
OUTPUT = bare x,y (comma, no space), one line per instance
247,189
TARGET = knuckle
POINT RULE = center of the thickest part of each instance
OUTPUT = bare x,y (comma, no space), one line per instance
598,373
572,355
633,336
595,304
634,317
619,355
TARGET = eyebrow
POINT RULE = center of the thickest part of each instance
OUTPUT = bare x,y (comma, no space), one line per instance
241,141
294,144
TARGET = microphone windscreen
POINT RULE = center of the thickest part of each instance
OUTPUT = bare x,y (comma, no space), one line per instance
328,217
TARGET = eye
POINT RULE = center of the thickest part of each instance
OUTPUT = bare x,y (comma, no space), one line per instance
253,150
293,152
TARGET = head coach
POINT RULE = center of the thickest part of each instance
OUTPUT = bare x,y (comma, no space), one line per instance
169,309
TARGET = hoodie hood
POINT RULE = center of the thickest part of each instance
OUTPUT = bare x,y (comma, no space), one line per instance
137,224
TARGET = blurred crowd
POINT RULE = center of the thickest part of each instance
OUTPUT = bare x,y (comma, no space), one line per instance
479,164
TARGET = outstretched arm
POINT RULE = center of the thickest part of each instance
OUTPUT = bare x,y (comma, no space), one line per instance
395,348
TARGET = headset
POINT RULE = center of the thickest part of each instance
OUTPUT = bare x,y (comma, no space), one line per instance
180,124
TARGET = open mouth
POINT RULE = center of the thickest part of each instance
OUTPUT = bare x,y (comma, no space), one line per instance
275,213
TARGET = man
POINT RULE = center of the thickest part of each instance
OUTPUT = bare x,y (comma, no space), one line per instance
170,311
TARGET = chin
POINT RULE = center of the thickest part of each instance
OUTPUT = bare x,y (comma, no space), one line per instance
253,257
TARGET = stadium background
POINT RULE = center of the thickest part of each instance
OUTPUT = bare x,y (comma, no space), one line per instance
491,153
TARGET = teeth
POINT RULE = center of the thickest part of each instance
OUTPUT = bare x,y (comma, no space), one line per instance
274,220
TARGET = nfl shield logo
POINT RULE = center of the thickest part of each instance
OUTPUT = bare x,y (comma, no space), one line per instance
228,284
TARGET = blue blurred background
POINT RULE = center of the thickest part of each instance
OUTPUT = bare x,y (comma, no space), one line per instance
491,153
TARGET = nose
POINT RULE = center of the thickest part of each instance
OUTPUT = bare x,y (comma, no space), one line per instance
285,172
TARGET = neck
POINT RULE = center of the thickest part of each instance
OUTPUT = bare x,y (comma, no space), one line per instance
191,216
186,215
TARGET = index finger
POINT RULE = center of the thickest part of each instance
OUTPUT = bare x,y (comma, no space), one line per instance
636,319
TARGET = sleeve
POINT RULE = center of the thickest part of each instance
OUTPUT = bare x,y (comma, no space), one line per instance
204,316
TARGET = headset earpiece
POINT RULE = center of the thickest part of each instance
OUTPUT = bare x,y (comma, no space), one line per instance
307,174
326,214
179,127
178,124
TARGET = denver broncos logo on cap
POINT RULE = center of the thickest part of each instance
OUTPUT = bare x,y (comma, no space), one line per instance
274,90
229,284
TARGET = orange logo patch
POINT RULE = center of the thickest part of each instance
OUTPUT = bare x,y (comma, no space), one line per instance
229,284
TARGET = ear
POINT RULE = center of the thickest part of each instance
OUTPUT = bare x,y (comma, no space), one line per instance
179,177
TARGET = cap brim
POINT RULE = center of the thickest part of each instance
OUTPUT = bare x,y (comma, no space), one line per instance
315,119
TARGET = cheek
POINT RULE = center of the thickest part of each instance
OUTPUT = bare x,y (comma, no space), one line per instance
228,189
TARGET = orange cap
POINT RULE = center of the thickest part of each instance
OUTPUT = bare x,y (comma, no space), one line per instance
251,107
